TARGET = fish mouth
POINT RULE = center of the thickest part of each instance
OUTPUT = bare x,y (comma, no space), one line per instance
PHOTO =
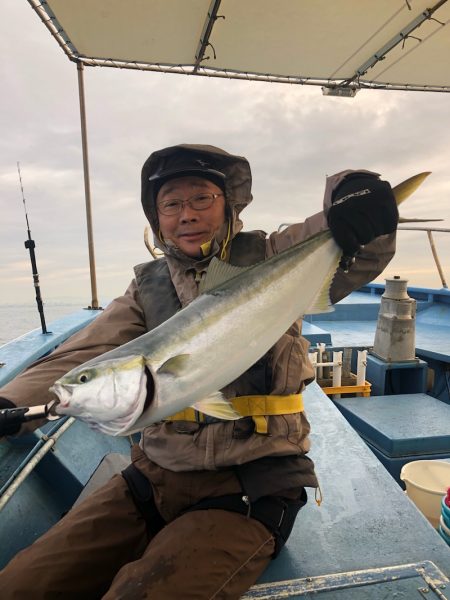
63,397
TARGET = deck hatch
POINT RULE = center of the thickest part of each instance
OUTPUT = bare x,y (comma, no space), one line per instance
412,581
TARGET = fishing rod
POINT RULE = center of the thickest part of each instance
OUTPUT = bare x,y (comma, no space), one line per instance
30,244
12,418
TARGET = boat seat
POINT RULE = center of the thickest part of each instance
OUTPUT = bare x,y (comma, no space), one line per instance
400,428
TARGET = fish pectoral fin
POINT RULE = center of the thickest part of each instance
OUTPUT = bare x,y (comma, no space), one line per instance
175,365
218,272
216,405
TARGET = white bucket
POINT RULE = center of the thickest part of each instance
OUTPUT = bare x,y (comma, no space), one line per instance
426,482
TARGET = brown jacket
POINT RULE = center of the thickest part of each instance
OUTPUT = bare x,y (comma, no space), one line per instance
188,446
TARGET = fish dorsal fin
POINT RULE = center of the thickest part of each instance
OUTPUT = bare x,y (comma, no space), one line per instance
219,272
322,302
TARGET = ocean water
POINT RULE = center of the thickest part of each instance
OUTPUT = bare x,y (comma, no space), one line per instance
17,319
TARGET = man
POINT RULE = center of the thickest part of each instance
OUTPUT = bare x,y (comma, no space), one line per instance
206,504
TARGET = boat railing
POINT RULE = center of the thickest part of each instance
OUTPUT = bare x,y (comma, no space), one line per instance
429,231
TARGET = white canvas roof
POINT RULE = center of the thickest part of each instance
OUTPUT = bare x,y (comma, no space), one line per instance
394,44
341,45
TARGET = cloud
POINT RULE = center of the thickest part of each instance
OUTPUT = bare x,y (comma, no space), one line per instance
292,136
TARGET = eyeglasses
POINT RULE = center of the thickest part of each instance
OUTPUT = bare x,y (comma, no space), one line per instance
173,206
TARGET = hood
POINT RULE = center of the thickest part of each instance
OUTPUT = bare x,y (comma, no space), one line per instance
238,181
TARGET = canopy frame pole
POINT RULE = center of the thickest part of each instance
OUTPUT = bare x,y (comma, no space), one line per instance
206,33
429,231
436,259
87,189
399,38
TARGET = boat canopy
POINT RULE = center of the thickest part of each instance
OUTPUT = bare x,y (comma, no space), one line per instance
343,46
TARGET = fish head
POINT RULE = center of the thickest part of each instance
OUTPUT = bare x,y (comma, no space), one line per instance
108,395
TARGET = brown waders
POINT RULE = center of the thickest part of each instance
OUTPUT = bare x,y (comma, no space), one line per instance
104,548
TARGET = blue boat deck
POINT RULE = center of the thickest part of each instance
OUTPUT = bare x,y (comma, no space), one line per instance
432,339
353,322
365,520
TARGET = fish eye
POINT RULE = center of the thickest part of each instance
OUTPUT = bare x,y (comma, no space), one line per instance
83,378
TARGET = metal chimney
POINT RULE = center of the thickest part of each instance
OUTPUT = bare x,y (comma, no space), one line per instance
395,337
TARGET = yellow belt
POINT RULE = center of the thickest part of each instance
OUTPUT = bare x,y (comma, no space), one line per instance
257,407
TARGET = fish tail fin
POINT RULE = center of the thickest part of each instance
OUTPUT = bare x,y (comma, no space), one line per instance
216,405
406,188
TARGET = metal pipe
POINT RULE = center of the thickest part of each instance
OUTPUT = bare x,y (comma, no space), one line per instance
436,259
320,350
31,465
87,188
249,76
326,364
442,229
361,367
337,369
313,360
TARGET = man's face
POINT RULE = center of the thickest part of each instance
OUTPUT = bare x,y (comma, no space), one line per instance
190,228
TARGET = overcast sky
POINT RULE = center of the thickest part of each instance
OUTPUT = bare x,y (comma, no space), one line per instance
292,136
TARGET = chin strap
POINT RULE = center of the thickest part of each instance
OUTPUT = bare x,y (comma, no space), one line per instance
223,253
206,247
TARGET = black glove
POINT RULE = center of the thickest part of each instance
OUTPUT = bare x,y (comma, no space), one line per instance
363,208
9,424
